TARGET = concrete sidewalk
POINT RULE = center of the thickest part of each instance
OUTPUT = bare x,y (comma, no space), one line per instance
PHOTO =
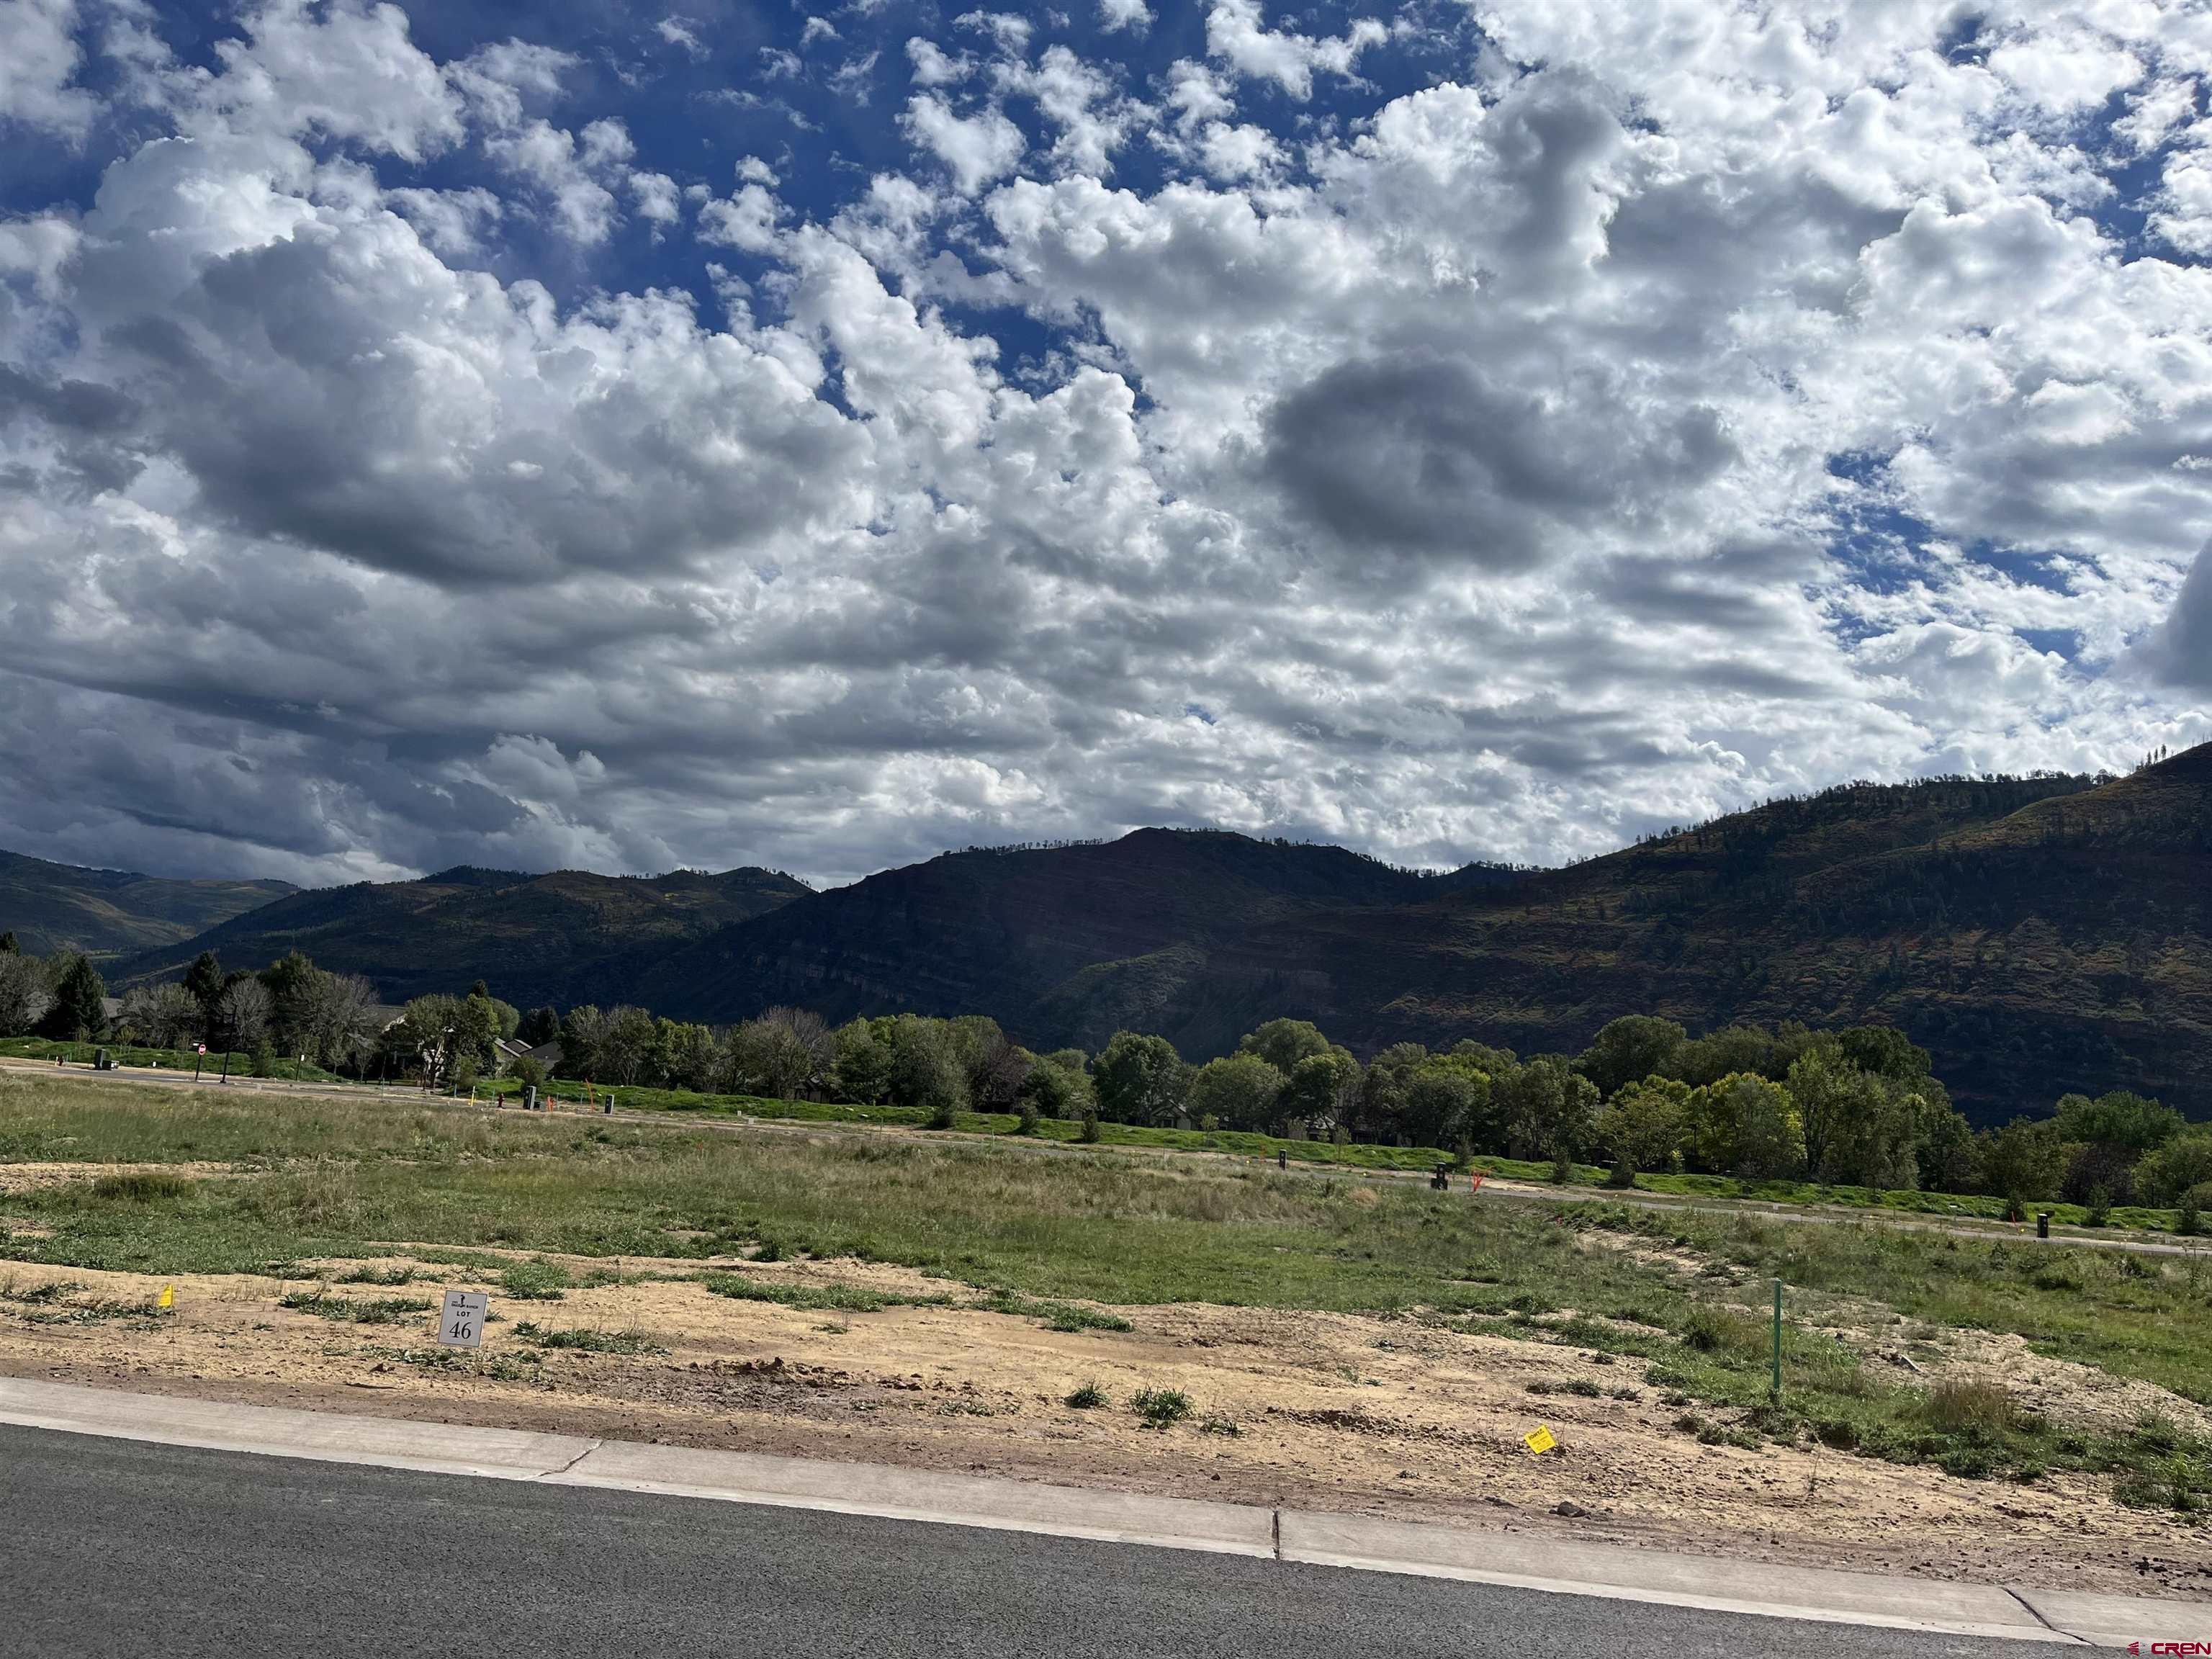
1366,1542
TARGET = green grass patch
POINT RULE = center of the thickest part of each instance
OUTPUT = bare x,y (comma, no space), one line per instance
582,1340
843,1298
386,1310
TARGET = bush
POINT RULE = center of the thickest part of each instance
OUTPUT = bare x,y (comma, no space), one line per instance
2098,1209
1623,1176
1086,1397
1026,1116
1089,1134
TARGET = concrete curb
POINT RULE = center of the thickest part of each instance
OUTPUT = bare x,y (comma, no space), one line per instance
1362,1542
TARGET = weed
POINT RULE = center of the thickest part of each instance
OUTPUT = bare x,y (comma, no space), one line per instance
1725,1331
1161,1408
1057,1316
390,1311
588,1341
379,1276
846,1299
1220,1425
52,1291
1086,1397
140,1186
1979,1409
535,1281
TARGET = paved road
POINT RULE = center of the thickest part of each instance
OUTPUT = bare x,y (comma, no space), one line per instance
1495,1187
117,1548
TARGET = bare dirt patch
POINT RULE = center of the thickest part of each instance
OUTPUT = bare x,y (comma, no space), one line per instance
1312,1410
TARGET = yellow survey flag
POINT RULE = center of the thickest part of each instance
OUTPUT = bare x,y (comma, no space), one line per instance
1540,1441
167,1297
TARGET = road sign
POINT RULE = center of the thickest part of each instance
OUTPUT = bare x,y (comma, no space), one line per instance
461,1325
1540,1441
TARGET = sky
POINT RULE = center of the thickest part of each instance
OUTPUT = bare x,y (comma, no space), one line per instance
586,435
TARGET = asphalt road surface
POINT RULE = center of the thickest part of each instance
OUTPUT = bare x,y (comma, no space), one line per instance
116,1548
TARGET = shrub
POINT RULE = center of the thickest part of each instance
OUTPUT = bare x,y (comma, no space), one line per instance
1086,1397
1026,1116
1089,1134
2098,1209
1623,1175
1161,1407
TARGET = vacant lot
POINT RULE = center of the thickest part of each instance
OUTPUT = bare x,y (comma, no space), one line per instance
1950,1406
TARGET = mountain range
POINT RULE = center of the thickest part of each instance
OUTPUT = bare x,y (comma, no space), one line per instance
49,906
2035,934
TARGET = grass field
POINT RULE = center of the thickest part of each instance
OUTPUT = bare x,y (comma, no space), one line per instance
1323,1154
168,1060
1311,1154
313,1179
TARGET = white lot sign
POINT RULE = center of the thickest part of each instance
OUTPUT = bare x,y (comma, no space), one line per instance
461,1325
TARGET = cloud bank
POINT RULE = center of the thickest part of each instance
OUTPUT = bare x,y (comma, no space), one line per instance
1453,431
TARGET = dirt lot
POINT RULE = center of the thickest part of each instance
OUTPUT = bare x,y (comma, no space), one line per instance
1323,1410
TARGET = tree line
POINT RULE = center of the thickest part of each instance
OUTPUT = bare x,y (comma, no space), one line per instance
1858,1106
1851,1107
291,1010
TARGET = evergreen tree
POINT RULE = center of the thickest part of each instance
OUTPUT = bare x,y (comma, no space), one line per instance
203,979
80,1010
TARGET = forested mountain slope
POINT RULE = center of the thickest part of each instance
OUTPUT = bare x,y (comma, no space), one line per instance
2036,935
531,938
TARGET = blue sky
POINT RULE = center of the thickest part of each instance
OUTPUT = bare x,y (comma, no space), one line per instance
750,434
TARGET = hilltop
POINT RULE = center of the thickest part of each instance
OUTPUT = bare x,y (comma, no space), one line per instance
54,907
1074,942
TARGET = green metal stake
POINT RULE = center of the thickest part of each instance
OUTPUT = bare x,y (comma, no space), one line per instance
1777,1340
